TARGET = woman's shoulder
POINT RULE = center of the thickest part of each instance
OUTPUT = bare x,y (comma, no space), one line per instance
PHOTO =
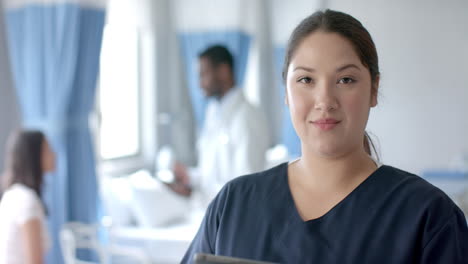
250,192
21,198
256,185
260,180
22,192
436,215
410,183
416,194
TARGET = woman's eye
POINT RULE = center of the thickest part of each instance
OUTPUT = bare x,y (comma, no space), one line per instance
305,80
346,80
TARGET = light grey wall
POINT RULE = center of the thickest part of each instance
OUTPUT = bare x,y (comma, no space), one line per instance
173,97
9,110
421,120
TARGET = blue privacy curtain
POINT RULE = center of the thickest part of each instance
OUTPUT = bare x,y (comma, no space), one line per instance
54,50
193,43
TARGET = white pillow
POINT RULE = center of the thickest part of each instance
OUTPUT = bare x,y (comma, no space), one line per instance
153,203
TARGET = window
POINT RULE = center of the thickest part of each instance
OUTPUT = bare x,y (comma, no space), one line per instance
119,94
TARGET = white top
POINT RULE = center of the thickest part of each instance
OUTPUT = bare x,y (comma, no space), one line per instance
232,143
19,204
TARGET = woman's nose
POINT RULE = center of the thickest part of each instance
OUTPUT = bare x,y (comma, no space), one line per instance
325,97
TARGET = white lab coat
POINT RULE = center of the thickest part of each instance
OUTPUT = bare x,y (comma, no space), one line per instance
233,142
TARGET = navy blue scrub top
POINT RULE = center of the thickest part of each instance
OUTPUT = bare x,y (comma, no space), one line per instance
392,217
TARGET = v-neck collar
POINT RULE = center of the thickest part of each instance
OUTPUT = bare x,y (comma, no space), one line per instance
295,217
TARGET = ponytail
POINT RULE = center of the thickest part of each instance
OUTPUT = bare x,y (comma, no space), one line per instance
369,146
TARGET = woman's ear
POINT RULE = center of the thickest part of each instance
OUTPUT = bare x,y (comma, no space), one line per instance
375,91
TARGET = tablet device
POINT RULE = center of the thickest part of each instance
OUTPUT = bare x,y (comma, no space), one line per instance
202,258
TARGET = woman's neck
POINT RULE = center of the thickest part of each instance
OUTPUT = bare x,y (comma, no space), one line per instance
326,174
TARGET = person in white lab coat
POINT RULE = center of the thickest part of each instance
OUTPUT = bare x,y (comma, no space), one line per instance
234,137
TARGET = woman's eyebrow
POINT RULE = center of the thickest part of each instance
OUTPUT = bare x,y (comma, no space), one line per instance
347,66
304,69
342,68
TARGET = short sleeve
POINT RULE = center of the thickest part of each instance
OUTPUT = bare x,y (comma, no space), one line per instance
205,239
450,242
27,207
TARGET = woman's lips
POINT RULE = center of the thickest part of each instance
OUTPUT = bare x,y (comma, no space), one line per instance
326,124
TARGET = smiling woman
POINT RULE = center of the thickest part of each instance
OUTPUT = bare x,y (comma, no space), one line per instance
329,94
335,204
355,73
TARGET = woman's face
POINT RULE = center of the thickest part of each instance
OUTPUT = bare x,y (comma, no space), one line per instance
329,95
48,158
